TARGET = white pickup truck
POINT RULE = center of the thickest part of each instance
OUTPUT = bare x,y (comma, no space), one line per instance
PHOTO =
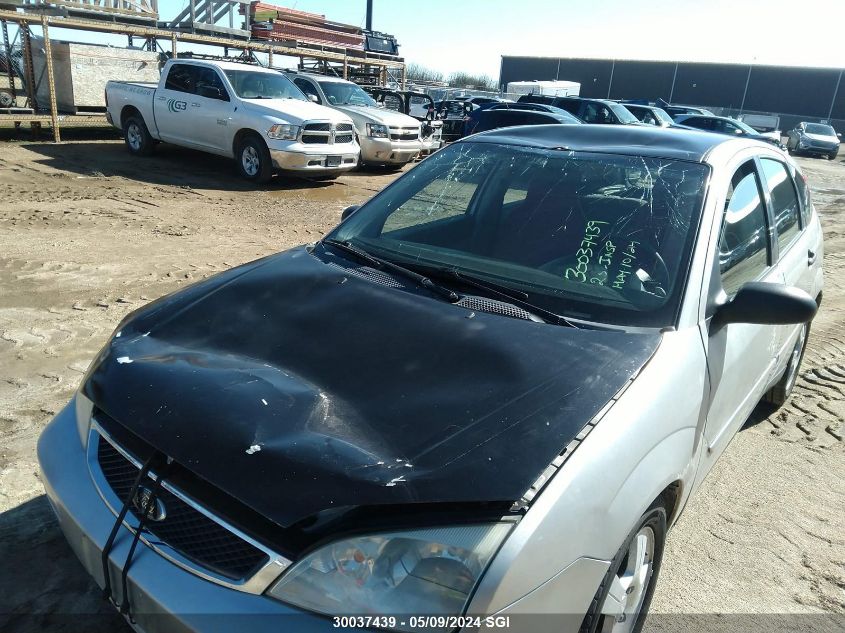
249,113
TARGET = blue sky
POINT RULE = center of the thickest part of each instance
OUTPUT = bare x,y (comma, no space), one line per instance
472,35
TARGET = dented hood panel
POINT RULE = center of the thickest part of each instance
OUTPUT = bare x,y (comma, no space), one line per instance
296,392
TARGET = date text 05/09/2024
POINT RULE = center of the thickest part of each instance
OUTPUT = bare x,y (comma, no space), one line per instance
421,621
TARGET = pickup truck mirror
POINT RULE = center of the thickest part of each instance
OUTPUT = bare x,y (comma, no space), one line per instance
349,211
314,98
767,304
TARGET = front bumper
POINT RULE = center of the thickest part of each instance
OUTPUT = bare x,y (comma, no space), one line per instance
385,151
163,597
318,162
812,147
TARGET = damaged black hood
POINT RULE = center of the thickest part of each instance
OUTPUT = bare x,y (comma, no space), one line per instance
297,387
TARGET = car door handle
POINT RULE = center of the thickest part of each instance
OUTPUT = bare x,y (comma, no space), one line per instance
811,258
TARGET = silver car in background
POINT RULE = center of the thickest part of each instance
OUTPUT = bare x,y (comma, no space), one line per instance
386,137
488,393
818,139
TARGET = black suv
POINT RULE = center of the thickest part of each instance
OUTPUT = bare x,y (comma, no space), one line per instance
588,110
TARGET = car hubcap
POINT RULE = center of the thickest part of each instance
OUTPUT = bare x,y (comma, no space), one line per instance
250,161
795,359
629,586
133,136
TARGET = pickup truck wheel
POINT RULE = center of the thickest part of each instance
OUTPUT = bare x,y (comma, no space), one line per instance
137,136
622,600
254,162
779,394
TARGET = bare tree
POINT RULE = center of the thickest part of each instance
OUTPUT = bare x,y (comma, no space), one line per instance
468,80
418,72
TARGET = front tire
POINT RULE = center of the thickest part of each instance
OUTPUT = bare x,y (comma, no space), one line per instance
138,139
833,155
253,159
779,394
623,598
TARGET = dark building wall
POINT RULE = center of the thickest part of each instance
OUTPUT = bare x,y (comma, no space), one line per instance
794,91
797,90
718,85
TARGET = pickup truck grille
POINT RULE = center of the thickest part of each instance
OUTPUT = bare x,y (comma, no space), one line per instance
404,133
326,133
186,530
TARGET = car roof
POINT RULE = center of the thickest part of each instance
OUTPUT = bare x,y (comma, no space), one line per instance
611,139
319,77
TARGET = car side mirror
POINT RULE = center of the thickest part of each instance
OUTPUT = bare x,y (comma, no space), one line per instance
314,98
349,211
767,304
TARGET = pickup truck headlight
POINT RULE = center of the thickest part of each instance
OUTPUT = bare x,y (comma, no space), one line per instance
284,132
376,130
420,572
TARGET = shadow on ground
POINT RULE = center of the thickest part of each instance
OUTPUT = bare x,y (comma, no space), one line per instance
49,589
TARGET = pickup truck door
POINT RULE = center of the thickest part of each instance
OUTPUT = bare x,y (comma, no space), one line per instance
174,115
740,356
211,109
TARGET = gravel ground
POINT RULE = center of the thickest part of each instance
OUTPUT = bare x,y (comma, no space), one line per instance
88,234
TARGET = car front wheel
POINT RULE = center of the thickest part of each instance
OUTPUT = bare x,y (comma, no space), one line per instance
253,158
621,602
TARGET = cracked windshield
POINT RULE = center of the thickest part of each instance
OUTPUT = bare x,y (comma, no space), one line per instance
596,237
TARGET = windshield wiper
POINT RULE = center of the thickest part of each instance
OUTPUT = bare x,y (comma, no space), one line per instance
378,262
510,295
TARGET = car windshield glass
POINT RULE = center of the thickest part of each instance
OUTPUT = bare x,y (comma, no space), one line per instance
599,237
623,113
818,128
258,85
339,93
662,115
744,127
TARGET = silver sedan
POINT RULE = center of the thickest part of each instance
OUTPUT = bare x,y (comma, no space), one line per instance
480,401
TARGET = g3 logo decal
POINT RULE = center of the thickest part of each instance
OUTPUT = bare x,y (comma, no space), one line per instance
176,106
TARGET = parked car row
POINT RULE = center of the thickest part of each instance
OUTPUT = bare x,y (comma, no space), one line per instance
320,126
266,120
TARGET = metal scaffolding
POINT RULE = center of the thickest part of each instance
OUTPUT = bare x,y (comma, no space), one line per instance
383,65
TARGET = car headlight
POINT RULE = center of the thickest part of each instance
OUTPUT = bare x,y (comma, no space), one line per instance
284,132
84,410
420,572
376,130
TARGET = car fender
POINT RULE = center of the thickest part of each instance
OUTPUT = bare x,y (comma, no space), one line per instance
648,440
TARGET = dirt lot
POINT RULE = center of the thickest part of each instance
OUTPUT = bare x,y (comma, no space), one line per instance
88,234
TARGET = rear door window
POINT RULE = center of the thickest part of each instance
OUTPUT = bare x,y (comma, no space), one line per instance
785,206
744,242
182,78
